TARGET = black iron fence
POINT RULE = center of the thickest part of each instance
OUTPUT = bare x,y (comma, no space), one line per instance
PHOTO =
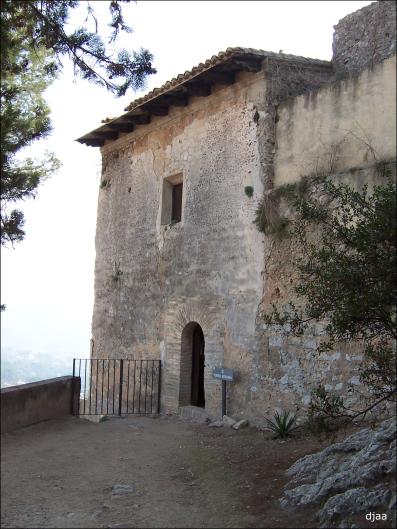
118,386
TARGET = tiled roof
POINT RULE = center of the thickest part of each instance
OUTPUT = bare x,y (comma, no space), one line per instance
221,57
223,64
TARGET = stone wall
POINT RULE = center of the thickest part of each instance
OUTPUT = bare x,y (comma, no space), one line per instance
365,37
152,279
292,365
38,401
344,129
207,268
345,124
284,80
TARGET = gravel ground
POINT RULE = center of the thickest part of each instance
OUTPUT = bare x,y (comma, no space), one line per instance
146,472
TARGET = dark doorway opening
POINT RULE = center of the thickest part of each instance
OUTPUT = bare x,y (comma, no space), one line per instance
197,386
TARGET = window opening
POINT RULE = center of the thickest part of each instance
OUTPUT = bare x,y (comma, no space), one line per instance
176,215
172,199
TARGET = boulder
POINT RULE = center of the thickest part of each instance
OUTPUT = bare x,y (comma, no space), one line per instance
240,424
228,421
359,499
352,477
119,489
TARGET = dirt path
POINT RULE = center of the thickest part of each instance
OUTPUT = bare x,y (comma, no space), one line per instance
60,473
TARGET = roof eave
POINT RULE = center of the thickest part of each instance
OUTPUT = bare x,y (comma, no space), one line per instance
220,69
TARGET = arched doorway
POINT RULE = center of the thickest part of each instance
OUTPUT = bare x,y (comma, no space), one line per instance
197,396
192,366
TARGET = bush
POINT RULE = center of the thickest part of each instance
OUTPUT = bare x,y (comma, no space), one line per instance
249,191
283,425
325,410
346,277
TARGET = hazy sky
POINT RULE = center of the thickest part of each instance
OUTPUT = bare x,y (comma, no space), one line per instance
47,280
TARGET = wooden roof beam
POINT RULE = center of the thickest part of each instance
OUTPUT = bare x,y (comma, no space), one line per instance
226,78
247,64
198,88
137,116
95,142
107,134
176,99
140,119
156,109
121,126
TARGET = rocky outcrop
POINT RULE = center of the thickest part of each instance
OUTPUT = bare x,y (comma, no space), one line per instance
348,480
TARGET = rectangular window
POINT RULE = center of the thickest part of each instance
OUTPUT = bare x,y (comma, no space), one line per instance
171,206
176,215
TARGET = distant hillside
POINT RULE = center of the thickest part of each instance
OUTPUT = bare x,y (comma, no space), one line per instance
21,367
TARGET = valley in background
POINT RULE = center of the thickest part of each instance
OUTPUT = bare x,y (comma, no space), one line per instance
22,367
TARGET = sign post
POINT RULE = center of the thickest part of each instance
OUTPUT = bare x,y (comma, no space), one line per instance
223,397
224,374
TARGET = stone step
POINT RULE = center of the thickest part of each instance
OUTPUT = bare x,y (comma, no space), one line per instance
194,414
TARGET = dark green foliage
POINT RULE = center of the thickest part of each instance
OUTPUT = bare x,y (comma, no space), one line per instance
324,410
46,23
325,402
249,191
34,40
283,425
347,273
259,219
379,370
24,119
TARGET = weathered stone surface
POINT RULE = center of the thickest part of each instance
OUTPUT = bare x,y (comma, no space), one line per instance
216,424
135,426
393,509
345,145
119,526
365,37
358,500
27,404
120,489
353,476
194,414
228,421
155,277
240,424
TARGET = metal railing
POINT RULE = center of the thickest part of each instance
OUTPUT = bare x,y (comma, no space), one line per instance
118,386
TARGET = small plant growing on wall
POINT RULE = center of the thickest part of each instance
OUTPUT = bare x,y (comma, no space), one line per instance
249,191
117,272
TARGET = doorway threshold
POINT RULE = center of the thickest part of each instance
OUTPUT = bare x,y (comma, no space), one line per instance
194,414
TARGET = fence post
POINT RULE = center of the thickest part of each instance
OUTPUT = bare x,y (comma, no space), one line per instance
159,390
76,385
76,388
121,386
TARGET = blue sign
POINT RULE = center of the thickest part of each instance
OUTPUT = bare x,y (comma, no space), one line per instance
223,373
